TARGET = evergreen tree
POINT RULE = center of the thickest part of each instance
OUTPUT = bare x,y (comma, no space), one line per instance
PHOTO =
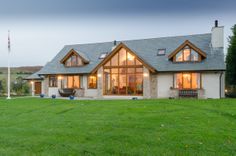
231,61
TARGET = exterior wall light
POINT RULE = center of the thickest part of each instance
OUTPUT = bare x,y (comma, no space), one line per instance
145,74
99,75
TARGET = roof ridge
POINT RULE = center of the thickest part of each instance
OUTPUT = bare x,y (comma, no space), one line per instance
137,39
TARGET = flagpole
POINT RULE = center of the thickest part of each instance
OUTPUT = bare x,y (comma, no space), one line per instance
9,69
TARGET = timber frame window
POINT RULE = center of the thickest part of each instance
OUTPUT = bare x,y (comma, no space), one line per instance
92,82
123,74
74,61
187,81
52,81
71,81
187,52
187,55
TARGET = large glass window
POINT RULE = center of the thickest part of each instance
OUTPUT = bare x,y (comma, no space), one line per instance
186,55
187,80
70,81
123,74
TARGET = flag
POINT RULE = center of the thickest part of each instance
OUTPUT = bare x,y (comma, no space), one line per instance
9,42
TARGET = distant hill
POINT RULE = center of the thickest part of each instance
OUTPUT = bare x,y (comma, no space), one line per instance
21,70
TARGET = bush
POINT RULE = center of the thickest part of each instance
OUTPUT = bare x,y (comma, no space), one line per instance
231,92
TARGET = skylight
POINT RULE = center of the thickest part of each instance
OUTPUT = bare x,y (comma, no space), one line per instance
103,55
161,52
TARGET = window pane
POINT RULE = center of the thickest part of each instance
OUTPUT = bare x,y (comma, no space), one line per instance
139,84
70,81
131,84
52,81
68,62
131,70
122,57
139,70
114,84
73,60
130,59
122,70
186,53
108,64
179,57
194,56
76,82
92,82
114,60
107,82
80,62
195,80
186,81
114,70
178,81
138,62
122,83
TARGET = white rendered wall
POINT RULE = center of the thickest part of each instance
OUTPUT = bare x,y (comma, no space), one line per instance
211,84
217,37
164,82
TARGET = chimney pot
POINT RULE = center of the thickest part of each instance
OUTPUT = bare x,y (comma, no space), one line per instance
216,23
114,42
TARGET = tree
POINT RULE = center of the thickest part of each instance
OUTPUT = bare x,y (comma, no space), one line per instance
231,62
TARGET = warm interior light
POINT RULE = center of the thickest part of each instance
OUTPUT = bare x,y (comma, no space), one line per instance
60,77
145,74
130,57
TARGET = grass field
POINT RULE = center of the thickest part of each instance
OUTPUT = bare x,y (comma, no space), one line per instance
142,127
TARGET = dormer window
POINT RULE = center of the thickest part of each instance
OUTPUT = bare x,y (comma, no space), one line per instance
187,52
187,55
74,59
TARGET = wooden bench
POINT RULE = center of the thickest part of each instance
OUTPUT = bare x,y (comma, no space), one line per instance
188,93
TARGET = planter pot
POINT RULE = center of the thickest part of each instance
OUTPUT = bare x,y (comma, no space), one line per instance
71,97
41,95
54,96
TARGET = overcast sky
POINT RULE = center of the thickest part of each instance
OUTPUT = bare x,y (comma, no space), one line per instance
40,28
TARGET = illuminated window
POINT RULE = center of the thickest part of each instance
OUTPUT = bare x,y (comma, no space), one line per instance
73,81
92,82
52,81
187,55
123,74
74,60
187,80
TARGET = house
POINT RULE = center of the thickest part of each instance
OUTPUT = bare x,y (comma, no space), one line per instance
166,67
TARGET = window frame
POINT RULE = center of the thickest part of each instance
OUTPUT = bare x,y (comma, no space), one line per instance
135,65
78,60
190,56
55,84
191,80
95,75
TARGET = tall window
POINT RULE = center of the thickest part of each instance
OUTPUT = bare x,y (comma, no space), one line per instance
187,80
92,82
73,61
187,55
123,74
52,81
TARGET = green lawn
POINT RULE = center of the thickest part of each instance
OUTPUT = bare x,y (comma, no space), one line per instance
143,127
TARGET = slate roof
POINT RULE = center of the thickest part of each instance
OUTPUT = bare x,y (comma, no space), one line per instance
145,49
34,76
